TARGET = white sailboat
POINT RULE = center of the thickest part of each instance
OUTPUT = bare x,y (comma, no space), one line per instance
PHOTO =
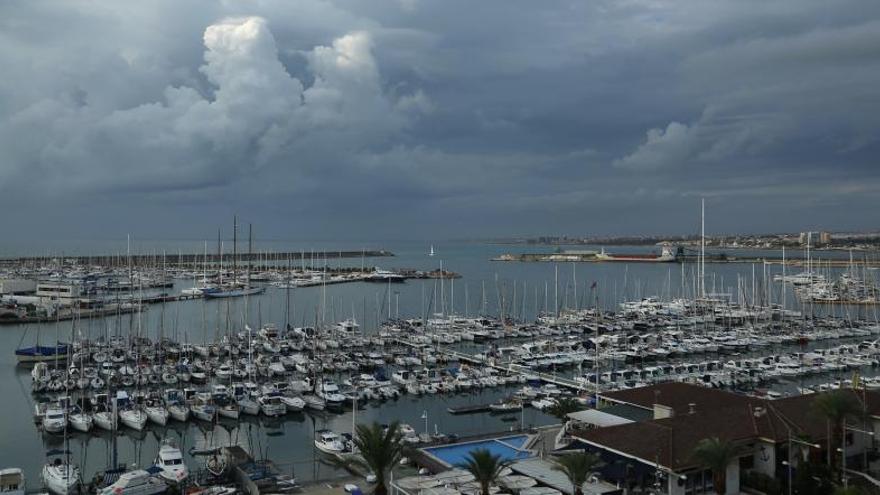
59,476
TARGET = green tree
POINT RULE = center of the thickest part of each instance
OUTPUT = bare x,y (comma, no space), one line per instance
485,467
577,467
715,454
836,406
563,407
379,450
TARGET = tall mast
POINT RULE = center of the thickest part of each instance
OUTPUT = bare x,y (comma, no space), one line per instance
250,250
234,249
703,247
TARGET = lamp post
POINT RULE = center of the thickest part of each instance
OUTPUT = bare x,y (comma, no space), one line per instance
799,442
843,451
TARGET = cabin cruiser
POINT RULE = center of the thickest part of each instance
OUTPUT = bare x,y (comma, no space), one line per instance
137,482
271,405
170,461
329,442
12,481
54,418
329,392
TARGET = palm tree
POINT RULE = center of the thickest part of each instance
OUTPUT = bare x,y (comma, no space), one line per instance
563,406
485,467
715,454
837,406
380,450
577,467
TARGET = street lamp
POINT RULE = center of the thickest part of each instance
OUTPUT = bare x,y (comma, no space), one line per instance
842,450
788,463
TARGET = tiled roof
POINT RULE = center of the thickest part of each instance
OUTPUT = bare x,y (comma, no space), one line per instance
732,417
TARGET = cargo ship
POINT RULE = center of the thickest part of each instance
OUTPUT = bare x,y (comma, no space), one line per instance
666,255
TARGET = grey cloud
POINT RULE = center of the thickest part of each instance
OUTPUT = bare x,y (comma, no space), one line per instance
508,116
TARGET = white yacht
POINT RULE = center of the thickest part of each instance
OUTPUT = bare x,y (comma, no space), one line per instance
54,419
329,392
138,482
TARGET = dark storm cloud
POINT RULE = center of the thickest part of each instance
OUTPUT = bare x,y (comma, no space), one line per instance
426,118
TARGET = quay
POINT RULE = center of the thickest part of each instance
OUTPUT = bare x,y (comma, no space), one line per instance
590,257
261,259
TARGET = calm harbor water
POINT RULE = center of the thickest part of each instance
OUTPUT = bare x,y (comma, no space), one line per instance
525,288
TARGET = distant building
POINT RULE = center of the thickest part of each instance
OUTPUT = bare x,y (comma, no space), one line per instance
64,292
15,286
824,238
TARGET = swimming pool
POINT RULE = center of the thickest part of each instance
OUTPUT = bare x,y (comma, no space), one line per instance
509,448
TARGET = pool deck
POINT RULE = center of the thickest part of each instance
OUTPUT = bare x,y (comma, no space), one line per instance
540,440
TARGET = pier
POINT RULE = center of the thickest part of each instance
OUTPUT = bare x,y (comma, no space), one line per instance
260,259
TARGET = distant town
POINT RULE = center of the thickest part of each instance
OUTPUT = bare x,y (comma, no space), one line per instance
860,241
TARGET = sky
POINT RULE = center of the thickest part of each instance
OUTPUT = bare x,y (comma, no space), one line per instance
418,119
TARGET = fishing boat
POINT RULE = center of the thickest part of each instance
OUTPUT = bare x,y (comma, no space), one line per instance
329,442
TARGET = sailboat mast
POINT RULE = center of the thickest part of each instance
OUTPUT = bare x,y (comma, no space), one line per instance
703,247
234,249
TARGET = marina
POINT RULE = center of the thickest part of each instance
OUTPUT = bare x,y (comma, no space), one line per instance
425,354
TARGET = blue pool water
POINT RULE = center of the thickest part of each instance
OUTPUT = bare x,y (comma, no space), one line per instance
509,448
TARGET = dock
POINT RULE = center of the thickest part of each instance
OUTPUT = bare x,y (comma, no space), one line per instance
477,408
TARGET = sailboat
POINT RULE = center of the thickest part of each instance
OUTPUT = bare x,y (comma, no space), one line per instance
59,476
234,289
